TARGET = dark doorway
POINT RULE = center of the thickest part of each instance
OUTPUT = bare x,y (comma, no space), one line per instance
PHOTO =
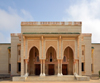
51,69
64,69
37,69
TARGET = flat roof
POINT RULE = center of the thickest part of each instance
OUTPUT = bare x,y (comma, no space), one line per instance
51,23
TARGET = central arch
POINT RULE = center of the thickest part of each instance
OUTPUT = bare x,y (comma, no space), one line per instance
34,62
51,61
67,64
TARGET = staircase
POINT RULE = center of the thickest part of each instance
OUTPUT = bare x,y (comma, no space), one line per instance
51,78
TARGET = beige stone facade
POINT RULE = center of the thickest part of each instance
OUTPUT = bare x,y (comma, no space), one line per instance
50,48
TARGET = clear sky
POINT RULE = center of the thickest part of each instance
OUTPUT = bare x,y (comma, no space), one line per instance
12,12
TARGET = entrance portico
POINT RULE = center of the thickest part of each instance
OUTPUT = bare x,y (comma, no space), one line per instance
49,61
50,53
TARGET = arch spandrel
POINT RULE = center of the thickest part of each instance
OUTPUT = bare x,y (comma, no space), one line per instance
32,44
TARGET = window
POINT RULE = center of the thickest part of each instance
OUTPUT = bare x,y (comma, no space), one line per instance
82,52
50,57
35,54
91,67
82,66
9,67
83,49
64,59
19,67
37,58
18,52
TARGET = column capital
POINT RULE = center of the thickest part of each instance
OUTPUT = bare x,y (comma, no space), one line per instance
26,60
24,37
60,37
42,37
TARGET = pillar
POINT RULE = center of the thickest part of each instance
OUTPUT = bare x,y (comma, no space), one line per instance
26,62
44,67
41,68
61,68
58,68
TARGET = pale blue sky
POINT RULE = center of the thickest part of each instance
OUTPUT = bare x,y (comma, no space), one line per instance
12,12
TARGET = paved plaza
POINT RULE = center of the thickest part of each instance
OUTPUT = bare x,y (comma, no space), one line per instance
91,81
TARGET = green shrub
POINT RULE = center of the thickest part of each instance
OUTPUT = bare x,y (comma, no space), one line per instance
99,73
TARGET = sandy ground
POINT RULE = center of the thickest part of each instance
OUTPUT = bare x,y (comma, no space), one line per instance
91,81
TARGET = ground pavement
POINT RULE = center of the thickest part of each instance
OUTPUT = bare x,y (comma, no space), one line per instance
91,81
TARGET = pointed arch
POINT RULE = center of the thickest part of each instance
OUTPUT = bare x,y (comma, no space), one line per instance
34,62
51,61
52,49
66,48
68,52
31,49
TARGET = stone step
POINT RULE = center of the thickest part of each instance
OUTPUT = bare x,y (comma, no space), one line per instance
51,78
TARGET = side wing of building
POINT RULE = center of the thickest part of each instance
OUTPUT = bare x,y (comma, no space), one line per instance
15,54
5,56
95,58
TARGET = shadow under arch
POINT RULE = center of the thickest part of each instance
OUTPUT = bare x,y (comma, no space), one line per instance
68,59
51,61
34,62
30,50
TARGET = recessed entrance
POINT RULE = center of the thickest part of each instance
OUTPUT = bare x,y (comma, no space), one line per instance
51,62
37,69
64,69
51,69
68,59
34,62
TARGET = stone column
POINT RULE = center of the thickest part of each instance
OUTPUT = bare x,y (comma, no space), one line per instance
61,68
58,68
41,69
44,67
75,66
26,62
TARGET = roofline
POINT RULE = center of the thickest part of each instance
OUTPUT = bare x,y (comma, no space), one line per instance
95,43
52,33
5,43
77,23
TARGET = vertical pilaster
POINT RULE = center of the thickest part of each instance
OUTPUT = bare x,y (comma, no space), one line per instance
59,46
22,57
42,46
80,53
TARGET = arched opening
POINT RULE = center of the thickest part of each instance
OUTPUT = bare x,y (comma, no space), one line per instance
51,61
34,62
67,64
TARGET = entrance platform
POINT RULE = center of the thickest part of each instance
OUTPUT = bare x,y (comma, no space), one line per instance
51,78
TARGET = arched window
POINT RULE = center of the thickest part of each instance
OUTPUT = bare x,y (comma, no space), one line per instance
64,59
35,54
50,57
37,58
